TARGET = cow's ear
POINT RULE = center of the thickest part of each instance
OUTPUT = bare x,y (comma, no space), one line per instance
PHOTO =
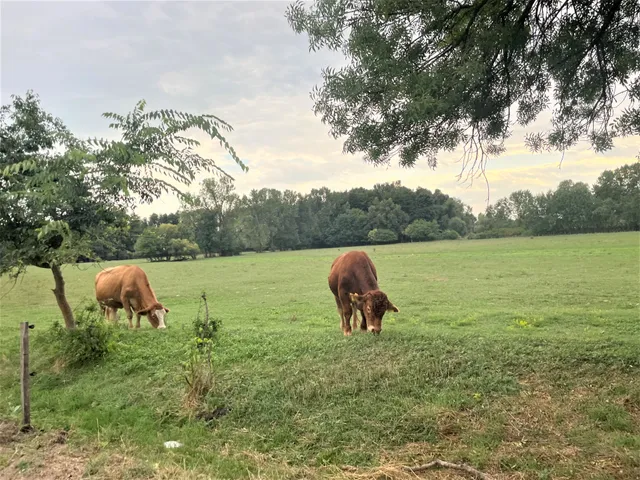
354,297
166,309
392,308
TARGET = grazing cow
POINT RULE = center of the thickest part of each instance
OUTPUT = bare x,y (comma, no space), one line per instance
127,287
354,283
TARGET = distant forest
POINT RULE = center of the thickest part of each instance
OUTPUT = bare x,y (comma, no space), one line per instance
218,222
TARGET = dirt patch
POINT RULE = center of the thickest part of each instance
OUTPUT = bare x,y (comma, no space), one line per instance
36,455
8,432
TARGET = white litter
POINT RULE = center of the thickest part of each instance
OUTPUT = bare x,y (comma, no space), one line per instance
172,444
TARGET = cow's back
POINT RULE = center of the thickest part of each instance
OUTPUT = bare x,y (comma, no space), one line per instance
353,272
111,282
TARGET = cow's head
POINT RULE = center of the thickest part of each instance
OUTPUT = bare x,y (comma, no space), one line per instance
156,315
374,304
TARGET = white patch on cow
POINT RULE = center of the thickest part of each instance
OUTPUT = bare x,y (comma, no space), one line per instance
160,314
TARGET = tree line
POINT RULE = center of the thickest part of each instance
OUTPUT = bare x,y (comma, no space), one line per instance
219,222
611,204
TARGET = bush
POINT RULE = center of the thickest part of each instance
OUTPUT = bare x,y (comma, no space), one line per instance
421,231
449,235
181,248
163,242
382,235
91,340
499,233
198,369
205,328
459,225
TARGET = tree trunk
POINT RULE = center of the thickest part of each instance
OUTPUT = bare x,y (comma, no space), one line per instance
61,297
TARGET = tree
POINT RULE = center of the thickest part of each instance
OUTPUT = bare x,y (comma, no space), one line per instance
204,225
56,190
164,242
387,215
349,228
572,208
153,246
181,248
458,225
421,231
256,221
449,235
382,235
427,76
523,206
622,186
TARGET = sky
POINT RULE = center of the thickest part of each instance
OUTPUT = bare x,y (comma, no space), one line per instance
240,61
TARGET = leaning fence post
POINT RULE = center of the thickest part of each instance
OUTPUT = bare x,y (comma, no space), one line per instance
24,375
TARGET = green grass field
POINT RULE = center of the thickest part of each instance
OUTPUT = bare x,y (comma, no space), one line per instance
518,356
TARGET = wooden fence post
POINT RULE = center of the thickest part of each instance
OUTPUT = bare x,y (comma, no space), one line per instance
24,375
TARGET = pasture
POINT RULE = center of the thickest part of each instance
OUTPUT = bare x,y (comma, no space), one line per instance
518,356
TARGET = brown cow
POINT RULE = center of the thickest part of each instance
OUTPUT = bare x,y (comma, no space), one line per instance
354,283
127,287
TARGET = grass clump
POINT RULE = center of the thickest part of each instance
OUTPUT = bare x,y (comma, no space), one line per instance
90,341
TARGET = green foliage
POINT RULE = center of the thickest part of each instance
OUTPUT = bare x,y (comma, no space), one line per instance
198,369
499,233
611,204
212,215
205,328
165,242
181,249
49,201
421,231
386,215
58,193
382,235
349,228
425,77
449,235
458,225
91,340
152,245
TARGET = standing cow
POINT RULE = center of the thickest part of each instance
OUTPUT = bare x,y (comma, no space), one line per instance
354,283
127,287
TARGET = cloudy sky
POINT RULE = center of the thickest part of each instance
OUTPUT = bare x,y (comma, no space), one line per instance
241,61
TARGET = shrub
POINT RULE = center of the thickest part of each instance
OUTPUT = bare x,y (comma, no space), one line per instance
91,340
421,231
382,235
181,248
198,369
449,235
499,233
459,225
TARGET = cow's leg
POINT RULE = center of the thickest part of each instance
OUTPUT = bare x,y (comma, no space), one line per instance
363,323
137,320
346,313
339,305
355,317
127,310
